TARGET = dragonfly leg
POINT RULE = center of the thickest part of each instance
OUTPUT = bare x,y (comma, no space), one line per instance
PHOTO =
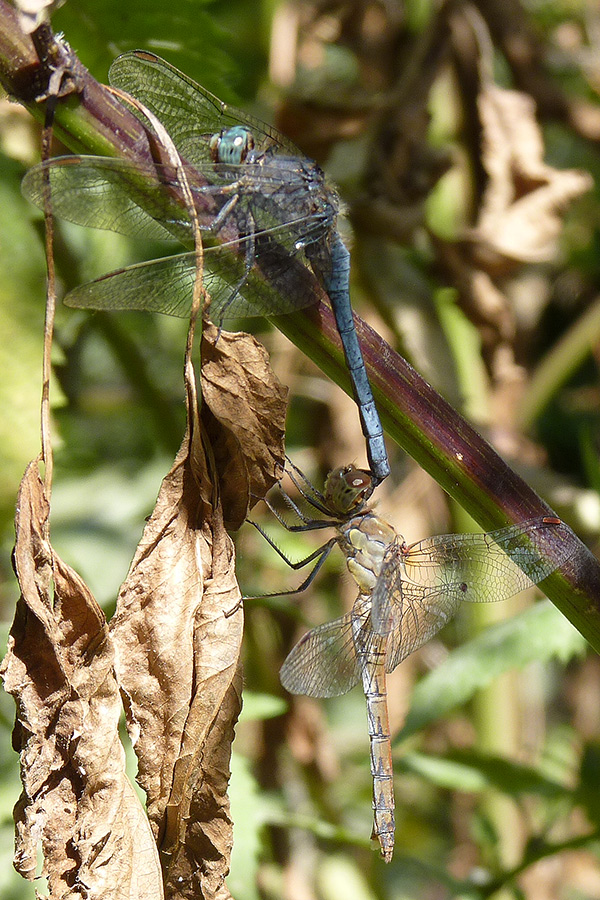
310,494
307,524
223,213
249,260
320,555
294,470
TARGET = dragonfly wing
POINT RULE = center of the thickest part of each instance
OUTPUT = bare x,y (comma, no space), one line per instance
492,566
165,285
324,662
106,193
407,615
161,285
190,113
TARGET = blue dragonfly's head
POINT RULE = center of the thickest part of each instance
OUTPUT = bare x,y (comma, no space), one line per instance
232,145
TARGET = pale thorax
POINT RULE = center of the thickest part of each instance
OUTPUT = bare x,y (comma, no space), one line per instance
365,539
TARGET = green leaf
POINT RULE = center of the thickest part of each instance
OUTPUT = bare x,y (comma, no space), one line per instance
22,294
246,803
465,343
99,536
444,772
475,772
261,706
539,634
190,35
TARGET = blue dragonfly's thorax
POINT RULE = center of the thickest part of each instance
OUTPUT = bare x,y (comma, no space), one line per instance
274,185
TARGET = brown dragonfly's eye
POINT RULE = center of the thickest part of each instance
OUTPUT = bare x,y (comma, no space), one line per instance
347,488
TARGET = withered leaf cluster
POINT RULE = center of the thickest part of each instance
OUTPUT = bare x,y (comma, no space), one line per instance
170,656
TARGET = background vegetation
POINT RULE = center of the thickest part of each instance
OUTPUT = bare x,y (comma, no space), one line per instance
497,723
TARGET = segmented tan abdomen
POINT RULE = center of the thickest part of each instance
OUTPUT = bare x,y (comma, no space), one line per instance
371,649
374,685
365,541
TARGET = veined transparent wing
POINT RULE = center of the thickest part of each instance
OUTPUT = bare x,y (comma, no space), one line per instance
420,587
324,662
493,566
165,285
407,616
189,112
330,659
115,195
111,194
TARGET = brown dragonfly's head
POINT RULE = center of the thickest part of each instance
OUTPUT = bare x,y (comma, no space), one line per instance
347,489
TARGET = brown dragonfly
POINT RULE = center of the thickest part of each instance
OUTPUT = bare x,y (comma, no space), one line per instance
407,593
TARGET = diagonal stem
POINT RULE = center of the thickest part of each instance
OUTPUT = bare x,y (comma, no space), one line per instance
418,418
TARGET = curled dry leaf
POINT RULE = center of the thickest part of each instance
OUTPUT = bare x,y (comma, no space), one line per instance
177,632
246,424
521,216
76,800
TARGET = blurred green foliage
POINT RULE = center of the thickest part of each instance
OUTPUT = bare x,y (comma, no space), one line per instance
301,788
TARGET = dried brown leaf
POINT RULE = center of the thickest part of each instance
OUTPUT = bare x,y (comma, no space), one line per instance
177,633
76,799
247,426
521,216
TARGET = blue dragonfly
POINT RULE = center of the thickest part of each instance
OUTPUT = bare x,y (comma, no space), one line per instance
268,217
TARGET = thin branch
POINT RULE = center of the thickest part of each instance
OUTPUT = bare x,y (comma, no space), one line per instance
416,416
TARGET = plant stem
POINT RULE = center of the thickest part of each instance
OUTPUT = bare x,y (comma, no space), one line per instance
418,418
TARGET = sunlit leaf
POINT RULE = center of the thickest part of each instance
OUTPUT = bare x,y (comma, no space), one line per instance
247,807
192,35
337,870
261,706
475,772
539,634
